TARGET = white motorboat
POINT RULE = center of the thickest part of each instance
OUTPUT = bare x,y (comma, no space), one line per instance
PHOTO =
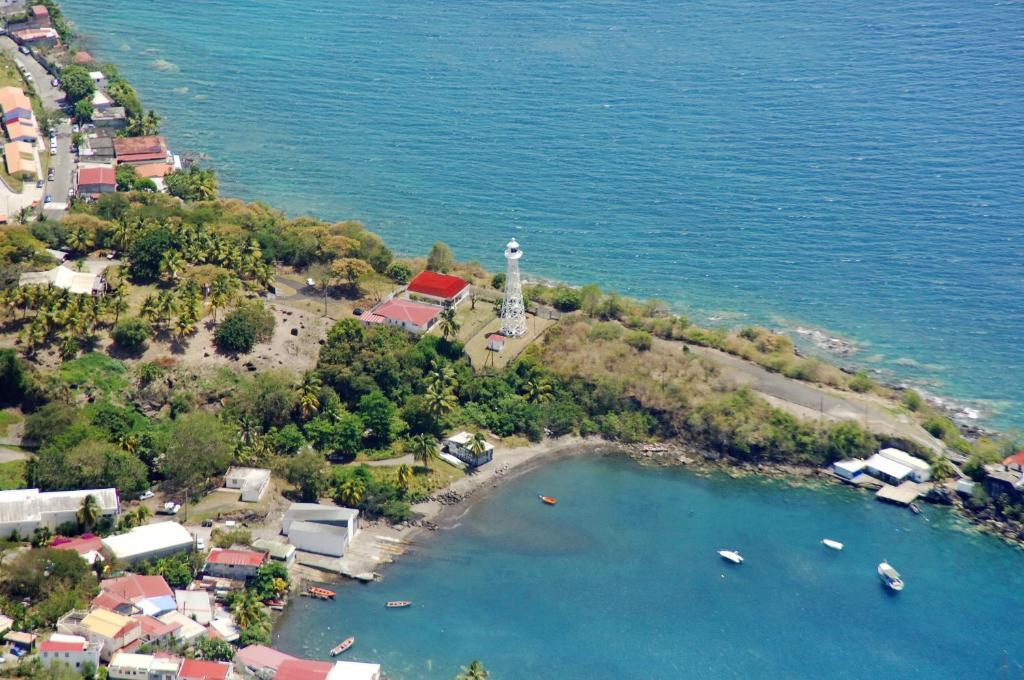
890,577
732,556
829,543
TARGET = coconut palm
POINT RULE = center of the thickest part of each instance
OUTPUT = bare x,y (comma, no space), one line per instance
79,240
185,325
404,477
142,513
172,264
248,610
448,324
124,233
477,445
118,300
440,402
351,491
442,376
538,390
475,671
424,449
89,513
222,290
309,394
166,306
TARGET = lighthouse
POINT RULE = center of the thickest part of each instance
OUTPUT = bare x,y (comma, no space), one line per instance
513,314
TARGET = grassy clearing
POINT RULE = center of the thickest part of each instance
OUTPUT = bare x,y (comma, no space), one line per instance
12,475
424,482
8,418
95,372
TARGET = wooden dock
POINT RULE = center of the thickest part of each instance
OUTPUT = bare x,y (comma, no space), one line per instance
904,494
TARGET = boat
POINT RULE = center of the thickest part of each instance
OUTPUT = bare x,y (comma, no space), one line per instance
319,593
396,604
548,500
732,556
890,577
829,543
914,509
343,645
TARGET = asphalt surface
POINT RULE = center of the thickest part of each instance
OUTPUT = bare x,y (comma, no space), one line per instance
63,163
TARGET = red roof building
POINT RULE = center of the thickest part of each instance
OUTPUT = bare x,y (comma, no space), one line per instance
82,544
194,669
52,646
238,564
82,58
260,658
141,150
94,181
301,669
1016,459
136,587
439,288
414,317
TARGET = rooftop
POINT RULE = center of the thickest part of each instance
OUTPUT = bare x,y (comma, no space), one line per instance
1015,459
314,512
302,669
153,145
276,549
317,527
247,558
888,466
63,646
136,587
20,505
194,669
437,285
407,311
904,458
148,539
97,176
257,657
106,623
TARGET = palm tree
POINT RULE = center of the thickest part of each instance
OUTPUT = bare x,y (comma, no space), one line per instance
166,306
79,240
424,449
442,376
118,300
185,325
477,445
475,671
248,610
404,477
351,491
142,513
440,402
124,233
449,326
538,390
309,394
89,513
222,289
172,263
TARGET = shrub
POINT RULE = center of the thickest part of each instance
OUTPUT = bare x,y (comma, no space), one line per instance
861,382
13,378
912,400
498,281
441,259
131,333
641,341
244,327
567,300
399,272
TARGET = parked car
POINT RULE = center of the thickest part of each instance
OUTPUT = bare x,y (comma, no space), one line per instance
71,192
147,494
50,175
24,50
28,77
170,508
39,184
75,128
55,82
207,522
48,199
53,151
200,544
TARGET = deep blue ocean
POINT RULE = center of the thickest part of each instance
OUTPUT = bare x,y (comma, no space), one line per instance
856,167
621,580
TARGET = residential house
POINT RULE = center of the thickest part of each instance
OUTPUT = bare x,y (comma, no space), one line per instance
460,446
252,481
195,669
414,317
920,470
302,669
495,342
25,510
89,546
100,101
65,278
113,117
260,660
321,529
141,150
1006,478
188,630
37,16
148,542
15,104
110,629
124,666
439,289
22,130
38,36
99,149
240,564
73,650
886,469
195,604
155,631
20,160
278,551
150,595
98,79
93,181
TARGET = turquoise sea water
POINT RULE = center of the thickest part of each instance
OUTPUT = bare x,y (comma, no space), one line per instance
854,166
621,580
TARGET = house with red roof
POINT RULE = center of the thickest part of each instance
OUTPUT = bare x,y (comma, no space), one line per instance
149,595
196,669
261,660
96,180
414,317
438,289
140,151
73,650
37,17
302,669
239,564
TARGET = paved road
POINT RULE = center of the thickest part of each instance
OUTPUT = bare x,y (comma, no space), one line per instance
808,400
63,163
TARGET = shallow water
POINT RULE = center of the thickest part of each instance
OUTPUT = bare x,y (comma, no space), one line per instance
850,166
621,580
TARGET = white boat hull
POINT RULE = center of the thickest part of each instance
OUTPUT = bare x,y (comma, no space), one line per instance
731,556
829,543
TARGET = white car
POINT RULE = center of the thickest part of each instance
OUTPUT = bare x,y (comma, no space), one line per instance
200,544
146,495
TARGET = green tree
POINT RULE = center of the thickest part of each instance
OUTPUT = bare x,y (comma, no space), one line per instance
77,83
351,270
199,449
14,378
404,476
475,671
131,333
251,617
378,414
351,491
424,449
193,184
448,324
84,110
270,581
336,432
309,394
147,251
250,323
399,272
89,513
213,649
308,471
850,440
441,259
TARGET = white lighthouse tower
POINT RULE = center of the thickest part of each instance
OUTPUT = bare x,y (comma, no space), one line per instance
513,314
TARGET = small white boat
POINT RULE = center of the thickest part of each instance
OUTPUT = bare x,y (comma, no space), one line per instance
732,556
829,543
890,577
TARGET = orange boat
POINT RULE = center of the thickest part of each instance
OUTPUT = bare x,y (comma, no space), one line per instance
320,593
395,604
343,645
548,500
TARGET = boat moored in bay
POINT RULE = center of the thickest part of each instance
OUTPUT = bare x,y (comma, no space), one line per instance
829,543
890,577
731,556
343,645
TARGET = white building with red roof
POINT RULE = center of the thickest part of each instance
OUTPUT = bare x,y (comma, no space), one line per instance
440,289
414,317
302,669
73,650
240,564
196,669
150,595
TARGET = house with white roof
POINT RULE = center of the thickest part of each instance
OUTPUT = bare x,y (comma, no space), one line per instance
848,469
321,529
886,469
25,510
65,278
920,470
125,666
148,542
460,445
252,481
